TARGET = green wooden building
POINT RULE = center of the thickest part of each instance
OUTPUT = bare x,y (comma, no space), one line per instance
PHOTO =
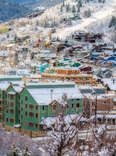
45,100
24,107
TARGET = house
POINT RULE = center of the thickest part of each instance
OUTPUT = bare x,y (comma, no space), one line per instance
86,69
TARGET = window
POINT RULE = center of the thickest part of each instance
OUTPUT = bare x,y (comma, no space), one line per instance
25,123
36,107
11,97
0,108
26,113
72,105
43,107
31,124
36,115
6,119
0,117
26,98
31,114
54,107
77,99
11,120
7,110
31,106
12,111
86,78
77,105
113,121
99,120
0,102
36,125
21,109
25,105
11,104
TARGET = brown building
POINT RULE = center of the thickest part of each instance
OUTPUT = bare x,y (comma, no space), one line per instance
65,74
97,103
96,98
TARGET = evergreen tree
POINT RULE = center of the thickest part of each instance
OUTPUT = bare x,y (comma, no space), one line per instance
112,22
61,8
67,7
80,3
73,9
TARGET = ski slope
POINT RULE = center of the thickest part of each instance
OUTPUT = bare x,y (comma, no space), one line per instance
107,11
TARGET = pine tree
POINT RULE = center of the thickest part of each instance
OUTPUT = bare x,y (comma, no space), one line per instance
67,7
61,8
112,22
73,9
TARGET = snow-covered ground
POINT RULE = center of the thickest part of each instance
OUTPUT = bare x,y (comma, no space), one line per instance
96,18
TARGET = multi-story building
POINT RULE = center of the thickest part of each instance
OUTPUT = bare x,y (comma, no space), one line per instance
24,107
96,99
70,74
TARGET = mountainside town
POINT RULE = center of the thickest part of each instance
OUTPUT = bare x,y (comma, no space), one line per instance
58,81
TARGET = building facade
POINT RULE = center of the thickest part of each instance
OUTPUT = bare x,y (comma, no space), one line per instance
24,107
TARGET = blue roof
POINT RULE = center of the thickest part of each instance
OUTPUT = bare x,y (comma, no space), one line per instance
112,58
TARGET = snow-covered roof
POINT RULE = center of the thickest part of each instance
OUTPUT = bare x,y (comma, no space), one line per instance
107,116
56,83
68,119
111,82
17,125
11,92
44,96
18,89
4,86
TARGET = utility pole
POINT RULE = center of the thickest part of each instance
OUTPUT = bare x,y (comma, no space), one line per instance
96,110
95,104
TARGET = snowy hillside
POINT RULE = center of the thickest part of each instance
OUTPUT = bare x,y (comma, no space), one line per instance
67,17
101,14
72,16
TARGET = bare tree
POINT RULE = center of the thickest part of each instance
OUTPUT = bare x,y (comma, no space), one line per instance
64,135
